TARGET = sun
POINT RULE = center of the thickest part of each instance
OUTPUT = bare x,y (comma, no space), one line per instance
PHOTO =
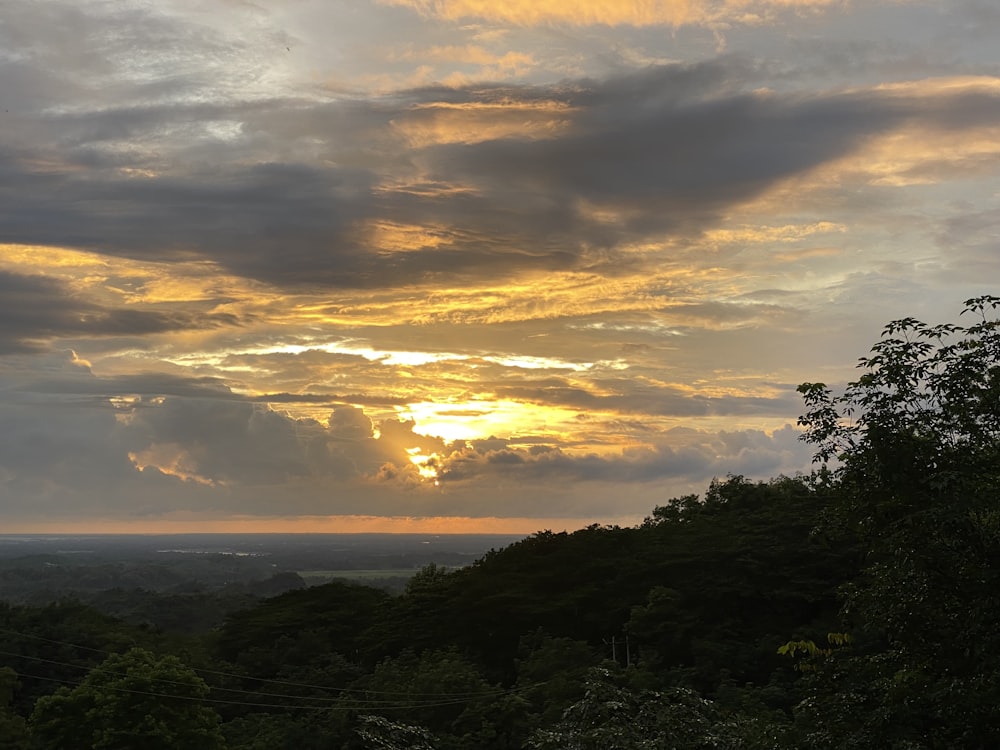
459,421
426,463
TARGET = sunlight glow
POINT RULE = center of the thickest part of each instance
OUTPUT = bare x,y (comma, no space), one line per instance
170,459
426,463
480,419
395,357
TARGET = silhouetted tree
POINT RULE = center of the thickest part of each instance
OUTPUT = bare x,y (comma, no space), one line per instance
914,444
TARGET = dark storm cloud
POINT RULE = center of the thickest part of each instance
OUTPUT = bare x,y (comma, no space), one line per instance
34,309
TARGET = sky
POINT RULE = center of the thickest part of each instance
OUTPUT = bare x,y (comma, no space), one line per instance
463,265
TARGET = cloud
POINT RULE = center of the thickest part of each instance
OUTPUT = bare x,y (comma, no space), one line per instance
610,12
411,188
288,222
35,309
970,244
136,444
640,398
678,455
675,169
50,447
295,285
152,444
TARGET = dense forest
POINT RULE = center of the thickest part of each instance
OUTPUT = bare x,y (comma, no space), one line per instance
855,607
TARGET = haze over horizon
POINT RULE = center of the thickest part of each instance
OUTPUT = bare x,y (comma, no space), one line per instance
463,266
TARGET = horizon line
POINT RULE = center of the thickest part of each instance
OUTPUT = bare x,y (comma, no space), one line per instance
351,524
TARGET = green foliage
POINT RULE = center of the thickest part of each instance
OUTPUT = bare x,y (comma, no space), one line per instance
705,591
811,653
298,727
576,585
337,615
916,445
612,717
440,690
809,648
551,673
188,613
379,733
13,729
427,579
58,643
267,731
734,575
703,587
132,700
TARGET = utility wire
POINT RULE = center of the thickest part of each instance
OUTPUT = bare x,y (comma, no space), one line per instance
362,691
348,707
416,699
419,700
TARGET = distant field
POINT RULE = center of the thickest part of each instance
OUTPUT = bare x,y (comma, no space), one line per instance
358,574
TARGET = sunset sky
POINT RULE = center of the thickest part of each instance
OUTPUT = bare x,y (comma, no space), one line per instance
463,265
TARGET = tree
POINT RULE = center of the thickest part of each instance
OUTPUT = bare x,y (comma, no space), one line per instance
13,730
551,674
379,733
437,690
740,571
614,717
131,700
915,448
336,614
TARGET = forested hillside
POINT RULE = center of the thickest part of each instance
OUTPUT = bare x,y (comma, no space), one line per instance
852,608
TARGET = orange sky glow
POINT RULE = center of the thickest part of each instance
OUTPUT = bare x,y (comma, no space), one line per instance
312,525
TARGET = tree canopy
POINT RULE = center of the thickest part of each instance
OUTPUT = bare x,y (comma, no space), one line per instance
914,444
131,700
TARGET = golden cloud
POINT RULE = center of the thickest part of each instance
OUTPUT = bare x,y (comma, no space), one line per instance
786,233
471,54
170,459
609,12
915,154
476,122
123,281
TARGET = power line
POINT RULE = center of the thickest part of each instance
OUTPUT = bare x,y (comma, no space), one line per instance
420,700
358,705
415,699
288,683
